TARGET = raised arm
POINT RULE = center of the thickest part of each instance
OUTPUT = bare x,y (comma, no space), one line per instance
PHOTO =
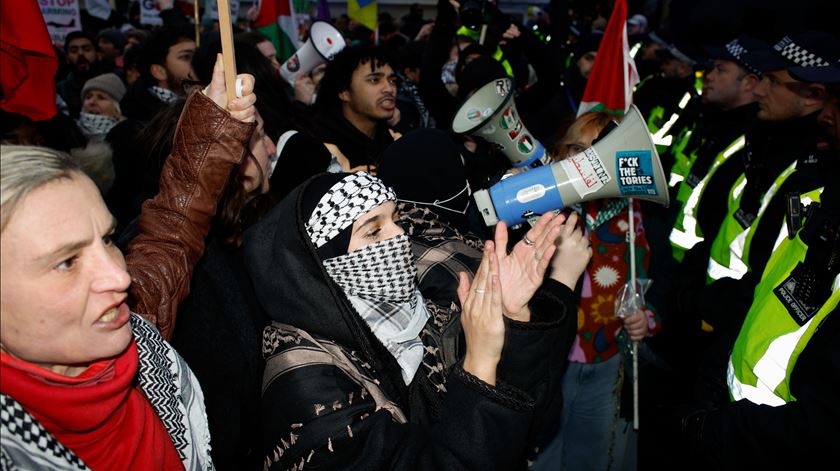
209,142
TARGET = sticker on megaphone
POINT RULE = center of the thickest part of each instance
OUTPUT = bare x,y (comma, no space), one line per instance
634,169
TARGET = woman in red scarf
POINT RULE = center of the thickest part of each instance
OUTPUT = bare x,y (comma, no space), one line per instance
70,345
84,382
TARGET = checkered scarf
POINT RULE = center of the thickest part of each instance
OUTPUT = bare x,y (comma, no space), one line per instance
380,281
348,199
95,125
447,72
164,95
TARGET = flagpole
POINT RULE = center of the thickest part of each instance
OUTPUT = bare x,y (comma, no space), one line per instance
228,54
197,24
632,243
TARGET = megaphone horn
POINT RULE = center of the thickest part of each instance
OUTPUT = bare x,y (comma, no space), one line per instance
623,164
323,44
491,114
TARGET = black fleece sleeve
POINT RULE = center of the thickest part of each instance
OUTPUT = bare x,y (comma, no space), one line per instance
535,355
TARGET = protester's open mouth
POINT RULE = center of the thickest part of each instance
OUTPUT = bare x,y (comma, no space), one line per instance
388,103
115,317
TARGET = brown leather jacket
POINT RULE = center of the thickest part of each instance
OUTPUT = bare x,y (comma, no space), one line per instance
208,143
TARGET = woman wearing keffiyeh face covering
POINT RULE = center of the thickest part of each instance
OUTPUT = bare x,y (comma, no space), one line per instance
357,373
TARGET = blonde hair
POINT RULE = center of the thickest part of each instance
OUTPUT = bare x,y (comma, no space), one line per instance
593,121
27,168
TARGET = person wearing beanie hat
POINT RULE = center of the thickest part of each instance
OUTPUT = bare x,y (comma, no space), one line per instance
111,84
101,97
368,373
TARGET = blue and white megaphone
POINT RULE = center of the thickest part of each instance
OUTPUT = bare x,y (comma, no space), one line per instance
622,164
491,114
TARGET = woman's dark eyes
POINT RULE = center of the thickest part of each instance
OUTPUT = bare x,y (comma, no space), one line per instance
67,264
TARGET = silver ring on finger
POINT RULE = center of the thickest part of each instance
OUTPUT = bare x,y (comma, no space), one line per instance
478,291
528,242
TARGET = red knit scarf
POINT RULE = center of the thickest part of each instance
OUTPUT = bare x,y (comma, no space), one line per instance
98,415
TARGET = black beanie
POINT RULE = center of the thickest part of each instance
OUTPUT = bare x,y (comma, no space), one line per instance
425,166
481,71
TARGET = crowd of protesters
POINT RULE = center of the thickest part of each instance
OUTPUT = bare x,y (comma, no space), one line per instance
299,277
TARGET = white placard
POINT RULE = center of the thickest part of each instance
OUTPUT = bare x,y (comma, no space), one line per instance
149,14
62,17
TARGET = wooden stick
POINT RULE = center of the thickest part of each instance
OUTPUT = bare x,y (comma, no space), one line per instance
228,54
197,24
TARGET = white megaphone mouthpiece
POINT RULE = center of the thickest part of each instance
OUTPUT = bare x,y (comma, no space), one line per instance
622,164
491,114
323,44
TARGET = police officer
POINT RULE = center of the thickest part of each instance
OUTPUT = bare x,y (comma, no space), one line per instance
784,370
708,158
781,157
662,98
715,146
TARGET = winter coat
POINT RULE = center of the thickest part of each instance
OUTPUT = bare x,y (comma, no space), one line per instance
334,397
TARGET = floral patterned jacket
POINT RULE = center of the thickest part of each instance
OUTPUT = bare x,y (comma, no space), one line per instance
608,225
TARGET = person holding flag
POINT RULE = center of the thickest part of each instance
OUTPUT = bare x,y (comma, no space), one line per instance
594,431
276,21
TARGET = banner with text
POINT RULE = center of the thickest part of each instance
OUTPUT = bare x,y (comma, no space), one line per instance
62,17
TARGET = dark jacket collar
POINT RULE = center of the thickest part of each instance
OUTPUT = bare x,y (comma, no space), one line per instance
354,144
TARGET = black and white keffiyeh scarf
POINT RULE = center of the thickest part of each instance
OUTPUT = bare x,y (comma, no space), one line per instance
95,125
348,199
408,92
164,379
378,279
164,95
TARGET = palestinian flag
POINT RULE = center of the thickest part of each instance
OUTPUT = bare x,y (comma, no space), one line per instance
276,20
613,76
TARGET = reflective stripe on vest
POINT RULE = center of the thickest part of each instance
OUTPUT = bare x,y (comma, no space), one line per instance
685,233
661,136
731,247
682,162
770,341
498,54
